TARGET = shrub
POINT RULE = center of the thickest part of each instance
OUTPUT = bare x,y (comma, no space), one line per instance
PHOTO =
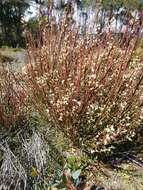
86,87
12,100
25,154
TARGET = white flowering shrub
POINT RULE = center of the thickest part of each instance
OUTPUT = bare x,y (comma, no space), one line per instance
87,90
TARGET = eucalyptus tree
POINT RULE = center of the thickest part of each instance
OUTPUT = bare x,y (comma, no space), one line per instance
121,10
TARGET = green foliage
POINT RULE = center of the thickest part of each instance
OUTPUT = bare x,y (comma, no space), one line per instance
130,4
86,3
11,14
33,26
113,3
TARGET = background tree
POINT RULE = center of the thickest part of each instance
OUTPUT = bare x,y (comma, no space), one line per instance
32,26
11,15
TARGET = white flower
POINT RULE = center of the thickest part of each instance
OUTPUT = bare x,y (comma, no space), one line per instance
47,110
61,117
123,105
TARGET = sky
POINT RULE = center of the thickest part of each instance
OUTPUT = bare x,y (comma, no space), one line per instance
32,11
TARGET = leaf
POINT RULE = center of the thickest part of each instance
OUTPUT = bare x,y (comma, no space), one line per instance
76,174
34,172
61,185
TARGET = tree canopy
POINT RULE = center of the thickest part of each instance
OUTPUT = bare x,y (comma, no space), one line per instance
11,15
